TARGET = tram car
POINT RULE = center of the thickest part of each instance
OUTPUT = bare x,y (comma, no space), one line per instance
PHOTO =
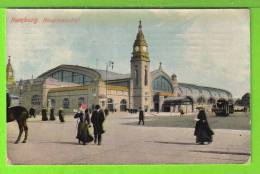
223,107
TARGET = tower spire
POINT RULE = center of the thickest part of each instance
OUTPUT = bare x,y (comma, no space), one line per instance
9,59
140,26
160,66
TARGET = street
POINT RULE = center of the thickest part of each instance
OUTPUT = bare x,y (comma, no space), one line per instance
164,139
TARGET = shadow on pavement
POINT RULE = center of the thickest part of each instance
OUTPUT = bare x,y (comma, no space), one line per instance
60,142
222,152
169,142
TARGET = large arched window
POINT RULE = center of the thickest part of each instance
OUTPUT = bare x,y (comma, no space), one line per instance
162,84
72,77
36,100
66,103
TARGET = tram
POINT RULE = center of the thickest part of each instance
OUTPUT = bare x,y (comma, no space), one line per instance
223,107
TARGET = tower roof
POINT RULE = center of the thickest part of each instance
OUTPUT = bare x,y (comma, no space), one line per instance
9,66
140,40
140,47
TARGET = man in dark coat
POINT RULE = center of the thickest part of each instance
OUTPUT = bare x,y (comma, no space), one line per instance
141,116
97,120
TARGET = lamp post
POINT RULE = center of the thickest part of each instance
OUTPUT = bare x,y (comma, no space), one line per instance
108,64
20,92
186,98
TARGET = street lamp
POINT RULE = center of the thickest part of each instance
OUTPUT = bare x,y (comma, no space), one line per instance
108,65
20,92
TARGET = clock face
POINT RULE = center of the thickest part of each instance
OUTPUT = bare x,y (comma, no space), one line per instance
144,48
137,48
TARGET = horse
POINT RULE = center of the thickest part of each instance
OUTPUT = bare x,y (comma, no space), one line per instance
20,114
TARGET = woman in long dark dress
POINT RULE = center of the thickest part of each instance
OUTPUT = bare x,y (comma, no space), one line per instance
202,131
83,132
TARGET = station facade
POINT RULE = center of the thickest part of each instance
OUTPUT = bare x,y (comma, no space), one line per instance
69,86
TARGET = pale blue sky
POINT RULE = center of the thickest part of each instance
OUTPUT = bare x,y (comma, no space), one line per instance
204,47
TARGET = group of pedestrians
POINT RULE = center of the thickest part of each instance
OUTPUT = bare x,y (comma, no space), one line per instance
202,130
84,123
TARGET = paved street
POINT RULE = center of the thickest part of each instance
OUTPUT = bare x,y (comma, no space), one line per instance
164,139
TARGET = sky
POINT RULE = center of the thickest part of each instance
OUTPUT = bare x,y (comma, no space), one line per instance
209,47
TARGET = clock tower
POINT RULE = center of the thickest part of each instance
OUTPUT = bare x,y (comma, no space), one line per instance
140,73
9,73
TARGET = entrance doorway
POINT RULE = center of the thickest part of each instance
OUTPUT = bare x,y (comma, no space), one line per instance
123,105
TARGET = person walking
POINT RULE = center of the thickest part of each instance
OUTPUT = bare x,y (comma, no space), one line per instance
83,134
141,116
61,115
202,131
97,120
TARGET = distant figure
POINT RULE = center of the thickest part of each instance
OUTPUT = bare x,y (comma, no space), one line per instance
83,124
32,112
61,115
141,117
181,112
202,131
106,112
97,120
44,115
52,117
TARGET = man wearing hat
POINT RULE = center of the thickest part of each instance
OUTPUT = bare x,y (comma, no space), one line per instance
97,120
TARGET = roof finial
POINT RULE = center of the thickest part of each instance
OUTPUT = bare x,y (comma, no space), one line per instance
160,66
9,59
140,26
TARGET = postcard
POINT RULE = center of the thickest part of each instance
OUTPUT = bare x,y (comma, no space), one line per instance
128,86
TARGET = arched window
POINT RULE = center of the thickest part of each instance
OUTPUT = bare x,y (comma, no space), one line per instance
136,77
81,100
201,100
123,105
162,84
36,100
211,100
145,77
110,104
66,103
72,77
53,103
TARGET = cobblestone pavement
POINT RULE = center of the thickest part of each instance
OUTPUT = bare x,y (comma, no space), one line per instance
125,142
